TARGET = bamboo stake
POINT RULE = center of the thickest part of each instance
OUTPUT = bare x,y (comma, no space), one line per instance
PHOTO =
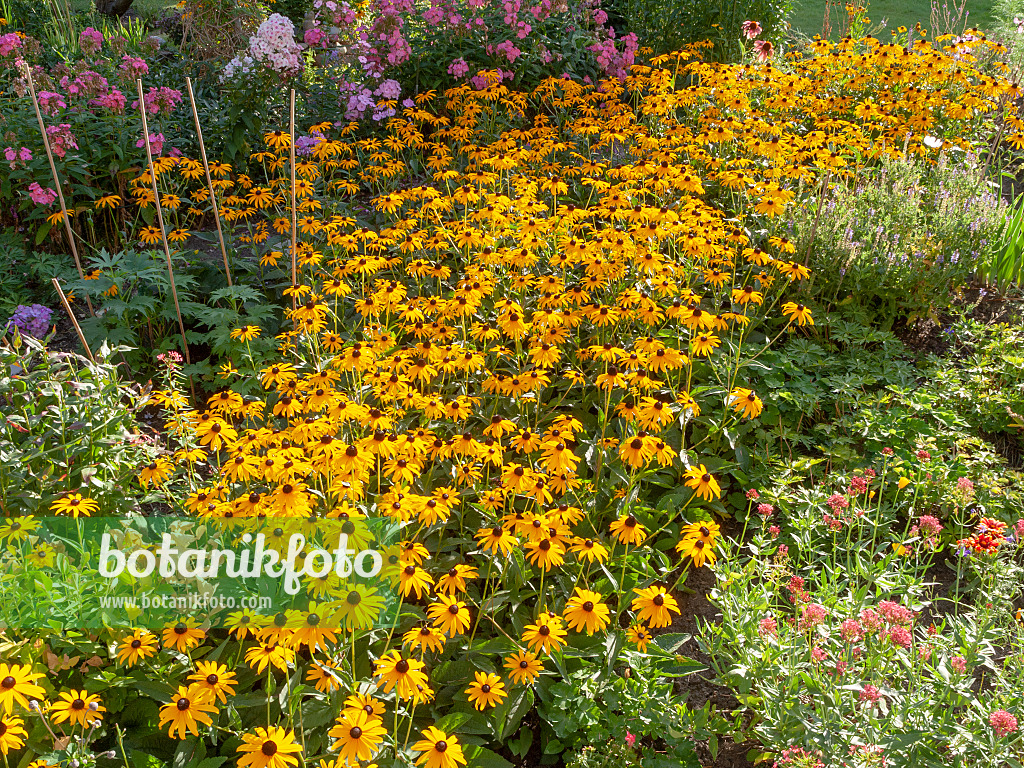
74,320
56,183
209,180
160,216
291,154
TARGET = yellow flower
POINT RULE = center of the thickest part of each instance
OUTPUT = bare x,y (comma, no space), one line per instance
797,313
77,708
438,750
75,505
272,747
487,690
584,610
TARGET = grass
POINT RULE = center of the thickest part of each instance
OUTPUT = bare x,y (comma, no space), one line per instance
808,15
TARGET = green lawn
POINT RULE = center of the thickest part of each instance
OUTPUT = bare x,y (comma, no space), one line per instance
808,15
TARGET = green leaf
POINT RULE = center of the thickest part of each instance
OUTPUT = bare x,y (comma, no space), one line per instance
480,757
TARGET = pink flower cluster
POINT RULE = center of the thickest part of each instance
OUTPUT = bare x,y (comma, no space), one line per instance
156,143
315,38
811,616
15,157
51,103
273,47
87,84
61,139
612,61
767,627
9,44
458,68
794,757
39,195
115,101
160,100
928,528
133,67
1002,722
90,41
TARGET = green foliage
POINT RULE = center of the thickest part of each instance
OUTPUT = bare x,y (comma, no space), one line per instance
811,643
598,707
668,25
136,310
66,425
985,384
900,241
1002,265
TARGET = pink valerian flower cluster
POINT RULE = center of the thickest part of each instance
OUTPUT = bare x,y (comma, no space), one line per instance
753,494
837,515
851,631
51,103
923,455
900,636
868,754
871,621
811,616
869,694
272,47
765,510
837,503
160,100
796,589
39,195
858,486
894,613
928,528
768,627
1002,722
798,757
16,157
61,139
90,41
964,491
959,664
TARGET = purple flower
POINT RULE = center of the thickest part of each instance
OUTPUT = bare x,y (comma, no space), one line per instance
31,320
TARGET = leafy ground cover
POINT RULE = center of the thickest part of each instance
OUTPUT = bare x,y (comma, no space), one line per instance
634,359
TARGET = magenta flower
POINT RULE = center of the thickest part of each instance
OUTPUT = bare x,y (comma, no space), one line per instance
1002,722
764,49
91,40
39,195
751,29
